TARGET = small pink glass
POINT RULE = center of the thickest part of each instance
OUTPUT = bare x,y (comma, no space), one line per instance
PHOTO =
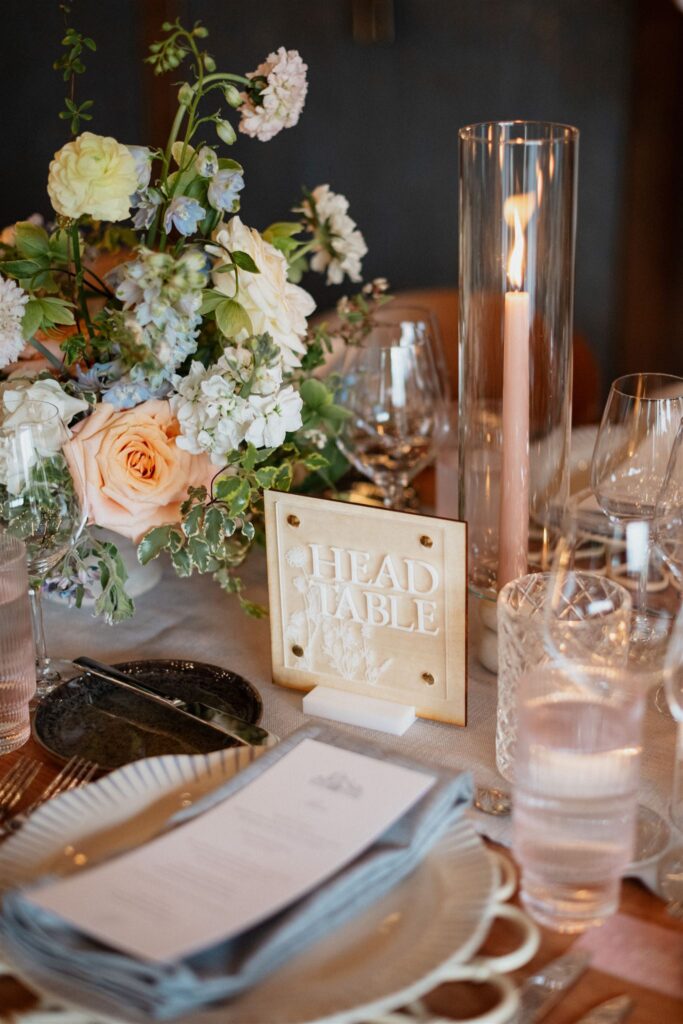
17,650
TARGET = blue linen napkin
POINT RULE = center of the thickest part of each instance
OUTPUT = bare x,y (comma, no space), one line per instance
56,957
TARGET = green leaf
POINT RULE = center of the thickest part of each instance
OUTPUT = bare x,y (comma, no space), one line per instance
182,562
315,394
32,318
210,299
255,611
227,487
176,540
213,524
31,240
244,261
334,414
283,480
56,311
201,555
282,229
153,543
21,268
232,318
265,477
225,163
316,461
248,530
240,498
193,521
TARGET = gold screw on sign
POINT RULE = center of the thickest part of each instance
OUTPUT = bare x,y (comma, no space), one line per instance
426,542
293,520
297,651
428,678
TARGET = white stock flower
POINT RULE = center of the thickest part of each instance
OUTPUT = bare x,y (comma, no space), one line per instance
274,305
342,247
279,104
276,415
12,302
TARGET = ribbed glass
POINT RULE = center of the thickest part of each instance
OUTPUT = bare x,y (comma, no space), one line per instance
17,651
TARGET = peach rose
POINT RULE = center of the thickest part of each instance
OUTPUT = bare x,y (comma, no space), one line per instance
133,473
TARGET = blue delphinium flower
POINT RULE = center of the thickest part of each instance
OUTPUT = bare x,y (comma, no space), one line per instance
224,188
184,214
147,203
206,162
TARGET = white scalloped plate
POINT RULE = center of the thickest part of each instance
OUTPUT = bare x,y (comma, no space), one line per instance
387,956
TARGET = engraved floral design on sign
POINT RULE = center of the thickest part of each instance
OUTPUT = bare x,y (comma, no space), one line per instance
343,645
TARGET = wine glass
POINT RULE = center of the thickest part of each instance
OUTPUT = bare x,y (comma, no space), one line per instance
595,558
391,388
40,504
417,323
639,425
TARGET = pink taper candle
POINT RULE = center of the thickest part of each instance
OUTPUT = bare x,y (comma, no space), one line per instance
513,531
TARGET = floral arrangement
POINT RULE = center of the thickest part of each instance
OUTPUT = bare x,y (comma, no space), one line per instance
172,337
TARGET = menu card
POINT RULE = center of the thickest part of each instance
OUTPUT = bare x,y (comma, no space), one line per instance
270,843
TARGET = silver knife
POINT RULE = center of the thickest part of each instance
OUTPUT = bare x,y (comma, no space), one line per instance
542,990
613,1011
205,714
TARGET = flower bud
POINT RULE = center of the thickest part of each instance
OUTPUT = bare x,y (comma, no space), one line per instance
225,132
209,63
233,96
185,94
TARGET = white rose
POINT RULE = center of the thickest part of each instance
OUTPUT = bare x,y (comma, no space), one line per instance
274,305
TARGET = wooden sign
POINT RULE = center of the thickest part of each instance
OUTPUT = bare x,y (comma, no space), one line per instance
369,601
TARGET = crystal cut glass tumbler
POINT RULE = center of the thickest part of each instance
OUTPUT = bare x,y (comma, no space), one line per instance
577,772
586,619
17,651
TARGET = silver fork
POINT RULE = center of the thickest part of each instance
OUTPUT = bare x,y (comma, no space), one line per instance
74,774
15,783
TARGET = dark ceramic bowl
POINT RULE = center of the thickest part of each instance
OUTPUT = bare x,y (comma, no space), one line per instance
97,720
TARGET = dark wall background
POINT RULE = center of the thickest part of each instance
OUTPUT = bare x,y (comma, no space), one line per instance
381,120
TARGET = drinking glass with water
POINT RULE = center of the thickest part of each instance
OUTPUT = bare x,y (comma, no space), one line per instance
577,769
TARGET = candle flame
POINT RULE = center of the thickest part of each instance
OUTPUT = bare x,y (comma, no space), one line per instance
518,211
516,260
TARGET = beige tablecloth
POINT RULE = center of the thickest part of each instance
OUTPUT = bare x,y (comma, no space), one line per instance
194,619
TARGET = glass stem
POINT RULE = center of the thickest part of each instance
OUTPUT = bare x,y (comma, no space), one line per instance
677,794
44,675
394,493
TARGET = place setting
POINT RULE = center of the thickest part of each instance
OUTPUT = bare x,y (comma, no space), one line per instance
341,653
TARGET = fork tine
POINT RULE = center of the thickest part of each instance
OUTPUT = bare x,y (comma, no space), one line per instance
83,774
57,785
8,778
21,784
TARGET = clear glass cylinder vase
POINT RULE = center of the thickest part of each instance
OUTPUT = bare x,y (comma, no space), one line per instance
517,229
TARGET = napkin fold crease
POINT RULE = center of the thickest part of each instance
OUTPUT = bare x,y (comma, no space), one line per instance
54,956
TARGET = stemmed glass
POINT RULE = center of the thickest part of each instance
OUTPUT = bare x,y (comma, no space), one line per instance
418,323
40,504
670,867
638,429
391,387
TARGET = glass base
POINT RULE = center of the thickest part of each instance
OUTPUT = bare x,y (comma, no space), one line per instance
51,673
568,909
652,835
13,735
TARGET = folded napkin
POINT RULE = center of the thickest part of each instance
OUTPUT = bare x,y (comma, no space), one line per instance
52,955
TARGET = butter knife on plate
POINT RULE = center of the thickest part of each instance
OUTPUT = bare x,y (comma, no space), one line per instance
229,724
543,990
612,1011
